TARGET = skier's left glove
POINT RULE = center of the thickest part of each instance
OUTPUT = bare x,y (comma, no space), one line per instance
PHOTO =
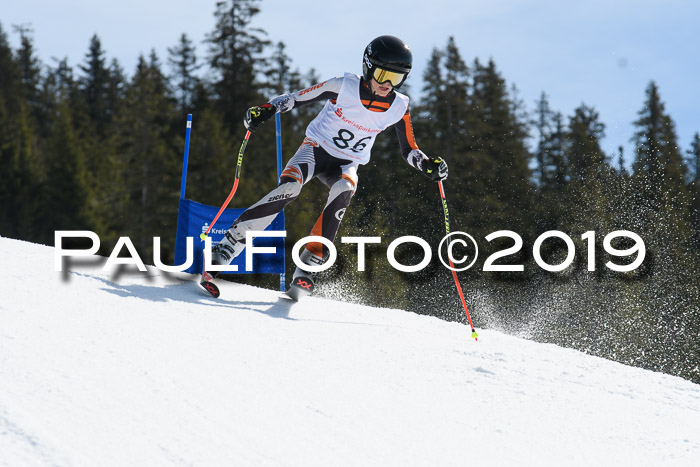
255,116
434,169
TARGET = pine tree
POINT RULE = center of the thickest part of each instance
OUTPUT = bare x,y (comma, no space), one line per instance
236,62
585,155
621,169
280,76
94,85
432,124
151,172
694,189
20,158
443,123
455,94
30,70
183,61
497,142
115,91
692,347
591,200
281,79
662,202
658,167
542,123
63,80
552,174
10,107
211,167
694,160
235,50
551,166
97,101
65,192
662,208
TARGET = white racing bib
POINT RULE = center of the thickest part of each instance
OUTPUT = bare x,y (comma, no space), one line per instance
347,129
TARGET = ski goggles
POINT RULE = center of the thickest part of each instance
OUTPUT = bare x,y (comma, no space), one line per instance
382,75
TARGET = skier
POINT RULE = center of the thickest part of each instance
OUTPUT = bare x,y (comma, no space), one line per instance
337,142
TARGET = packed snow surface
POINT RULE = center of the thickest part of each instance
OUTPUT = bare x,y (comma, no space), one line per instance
123,368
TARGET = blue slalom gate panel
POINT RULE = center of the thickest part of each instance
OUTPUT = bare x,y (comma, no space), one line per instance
193,220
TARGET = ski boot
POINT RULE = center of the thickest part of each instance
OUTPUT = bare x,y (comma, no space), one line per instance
303,281
221,254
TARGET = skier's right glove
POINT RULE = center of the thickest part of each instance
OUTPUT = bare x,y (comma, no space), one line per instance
434,169
255,116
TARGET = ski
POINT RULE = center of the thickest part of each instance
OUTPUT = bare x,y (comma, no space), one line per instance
300,287
207,283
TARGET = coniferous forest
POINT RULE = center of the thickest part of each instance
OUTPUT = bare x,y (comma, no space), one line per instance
96,147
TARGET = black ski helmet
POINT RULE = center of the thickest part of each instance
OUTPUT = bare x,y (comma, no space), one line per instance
389,53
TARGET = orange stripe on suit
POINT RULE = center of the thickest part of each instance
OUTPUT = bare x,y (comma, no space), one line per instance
317,230
292,172
409,131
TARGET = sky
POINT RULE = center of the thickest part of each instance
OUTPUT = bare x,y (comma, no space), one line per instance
602,53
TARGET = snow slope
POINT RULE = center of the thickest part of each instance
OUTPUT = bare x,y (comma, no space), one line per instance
144,369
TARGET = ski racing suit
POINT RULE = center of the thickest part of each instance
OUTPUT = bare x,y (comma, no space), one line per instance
337,142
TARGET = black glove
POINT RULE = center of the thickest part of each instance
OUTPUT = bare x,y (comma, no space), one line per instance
435,169
254,116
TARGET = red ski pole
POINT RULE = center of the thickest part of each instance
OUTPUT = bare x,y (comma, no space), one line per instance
235,185
452,266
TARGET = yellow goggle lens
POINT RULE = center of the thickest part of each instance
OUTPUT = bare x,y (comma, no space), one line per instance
382,76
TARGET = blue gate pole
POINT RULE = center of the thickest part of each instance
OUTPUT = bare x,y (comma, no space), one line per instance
278,132
183,183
